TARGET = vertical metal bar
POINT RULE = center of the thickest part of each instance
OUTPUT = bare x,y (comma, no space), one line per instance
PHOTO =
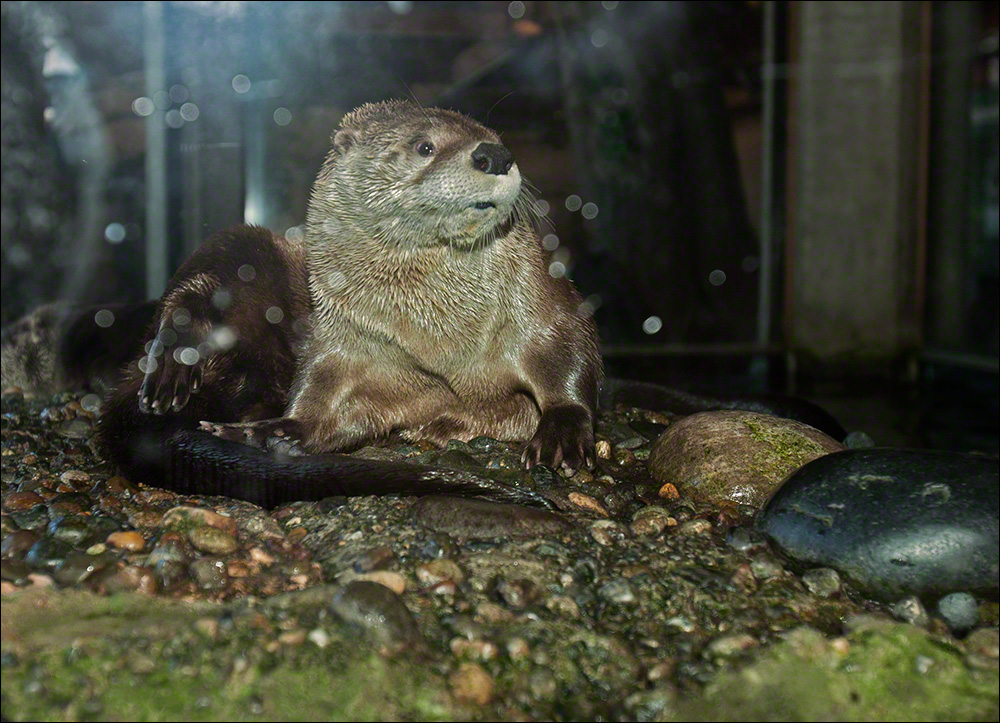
769,73
154,59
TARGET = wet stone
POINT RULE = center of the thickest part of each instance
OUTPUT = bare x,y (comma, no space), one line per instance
959,610
617,591
130,541
911,610
734,456
17,543
78,566
822,582
19,501
34,519
209,573
378,610
14,571
70,503
212,540
478,519
73,531
48,553
608,532
941,509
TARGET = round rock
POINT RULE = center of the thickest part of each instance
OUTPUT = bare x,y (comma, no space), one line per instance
734,456
895,522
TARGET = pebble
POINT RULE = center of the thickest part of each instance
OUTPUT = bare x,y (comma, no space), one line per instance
959,610
19,501
47,553
209,573
129,541
17,543
698,526
608,532
470,683
895,522
734,456
439,570
729,645
379,611
822,582
586,502
650,521
911,610
185,518
766,567
212,540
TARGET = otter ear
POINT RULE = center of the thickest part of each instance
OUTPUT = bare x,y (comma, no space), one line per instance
344,139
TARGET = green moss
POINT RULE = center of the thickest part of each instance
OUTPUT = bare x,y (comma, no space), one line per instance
892,672
75,656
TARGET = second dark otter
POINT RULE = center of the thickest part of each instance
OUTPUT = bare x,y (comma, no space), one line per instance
419,304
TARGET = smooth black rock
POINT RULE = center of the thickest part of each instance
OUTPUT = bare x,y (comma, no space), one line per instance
894,522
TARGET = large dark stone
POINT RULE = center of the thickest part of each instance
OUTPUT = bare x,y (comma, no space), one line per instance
894,521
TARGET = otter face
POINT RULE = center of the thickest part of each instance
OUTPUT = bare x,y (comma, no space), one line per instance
423,177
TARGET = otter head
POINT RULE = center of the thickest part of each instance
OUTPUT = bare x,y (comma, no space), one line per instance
415,177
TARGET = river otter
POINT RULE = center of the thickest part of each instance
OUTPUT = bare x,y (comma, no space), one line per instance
419,304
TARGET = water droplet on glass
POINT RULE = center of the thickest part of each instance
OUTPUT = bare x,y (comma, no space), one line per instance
161,99
282,116
589,210
190,112
543,207
104,318
246,272
295,234
148,364
189,356
181,318
516,9
550,242
114,233
178,93
573,202
241,83
91,402
599,38
274,314
167,337
173,119
652,325
750,264
557,269
717,277
609,4
143,106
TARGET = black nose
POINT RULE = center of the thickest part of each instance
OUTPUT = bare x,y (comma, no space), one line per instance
492,158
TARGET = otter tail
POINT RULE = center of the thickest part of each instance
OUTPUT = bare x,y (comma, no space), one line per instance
167,451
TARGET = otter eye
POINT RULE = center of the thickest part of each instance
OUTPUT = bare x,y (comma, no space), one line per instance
425,148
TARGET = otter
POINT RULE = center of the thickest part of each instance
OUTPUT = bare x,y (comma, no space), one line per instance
418,305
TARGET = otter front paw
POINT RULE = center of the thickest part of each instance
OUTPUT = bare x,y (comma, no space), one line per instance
565,436
173,371
281,435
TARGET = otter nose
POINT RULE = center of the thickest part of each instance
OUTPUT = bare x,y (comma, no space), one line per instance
492,158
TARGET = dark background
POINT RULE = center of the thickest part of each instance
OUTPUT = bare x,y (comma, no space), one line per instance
784,196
